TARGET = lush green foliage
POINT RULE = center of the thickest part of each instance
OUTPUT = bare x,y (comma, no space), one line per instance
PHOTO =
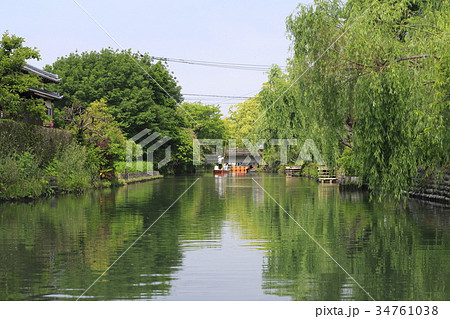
44,143
204,120
14,82
241,122
120,166
31,154
371,76
183,152
96,128
73,168
140,93
21,176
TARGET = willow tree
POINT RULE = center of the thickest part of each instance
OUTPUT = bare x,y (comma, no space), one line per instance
241,121
400,94
371,77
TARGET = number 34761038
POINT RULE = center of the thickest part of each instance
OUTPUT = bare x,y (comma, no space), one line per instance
407,310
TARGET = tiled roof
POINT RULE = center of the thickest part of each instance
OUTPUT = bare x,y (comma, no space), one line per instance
44,74
239,151
47,94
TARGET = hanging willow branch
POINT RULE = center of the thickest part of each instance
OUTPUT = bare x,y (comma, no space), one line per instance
380,65
415,57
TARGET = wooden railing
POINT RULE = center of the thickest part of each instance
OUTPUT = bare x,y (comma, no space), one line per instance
325,175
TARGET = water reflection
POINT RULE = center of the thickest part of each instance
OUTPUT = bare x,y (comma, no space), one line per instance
224,240
219,184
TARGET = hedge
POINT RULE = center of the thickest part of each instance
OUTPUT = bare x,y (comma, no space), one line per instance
44,143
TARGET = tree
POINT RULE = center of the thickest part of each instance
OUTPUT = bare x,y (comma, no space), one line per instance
208,120
96,128
201,121
241,122
14,81
140,92
370,76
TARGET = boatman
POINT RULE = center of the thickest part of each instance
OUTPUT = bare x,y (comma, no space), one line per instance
220,160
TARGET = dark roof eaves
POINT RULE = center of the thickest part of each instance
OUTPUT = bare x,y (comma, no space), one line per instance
47,75
48,94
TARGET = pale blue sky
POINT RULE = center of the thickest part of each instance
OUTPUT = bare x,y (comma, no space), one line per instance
245,31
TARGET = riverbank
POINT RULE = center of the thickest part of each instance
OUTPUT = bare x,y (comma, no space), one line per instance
430,188
52,188
435,188
131,178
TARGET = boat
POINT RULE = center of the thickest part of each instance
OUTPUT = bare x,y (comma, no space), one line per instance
242,169
221,171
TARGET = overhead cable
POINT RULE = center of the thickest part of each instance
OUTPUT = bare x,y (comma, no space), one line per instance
221,96
227,65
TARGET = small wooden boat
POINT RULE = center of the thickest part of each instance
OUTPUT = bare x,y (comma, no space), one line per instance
221,171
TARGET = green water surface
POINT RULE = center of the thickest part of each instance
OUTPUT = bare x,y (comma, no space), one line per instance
224,239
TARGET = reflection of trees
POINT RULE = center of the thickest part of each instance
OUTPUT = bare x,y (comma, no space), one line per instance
59,247
385,248
51,247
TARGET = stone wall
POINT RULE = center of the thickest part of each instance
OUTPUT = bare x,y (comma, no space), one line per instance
127,176
432,188
347,180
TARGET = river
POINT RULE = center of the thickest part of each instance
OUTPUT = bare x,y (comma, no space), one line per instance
255,237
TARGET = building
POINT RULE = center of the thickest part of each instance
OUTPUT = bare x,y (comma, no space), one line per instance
47,96
243,156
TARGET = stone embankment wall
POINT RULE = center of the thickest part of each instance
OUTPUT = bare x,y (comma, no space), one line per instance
127,176
435,188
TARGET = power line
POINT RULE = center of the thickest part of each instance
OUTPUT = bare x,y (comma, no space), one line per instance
227,65
220,96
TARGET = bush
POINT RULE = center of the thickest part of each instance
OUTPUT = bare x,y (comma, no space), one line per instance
21,177
44,143
348,163
120,167
73,168
310,170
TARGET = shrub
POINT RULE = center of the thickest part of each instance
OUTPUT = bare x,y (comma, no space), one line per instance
310,170
348,163
44,143
133,168
73,168
20,177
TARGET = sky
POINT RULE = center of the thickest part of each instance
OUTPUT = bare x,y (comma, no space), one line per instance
232,31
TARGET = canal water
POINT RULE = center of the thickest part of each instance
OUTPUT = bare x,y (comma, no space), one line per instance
255,237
